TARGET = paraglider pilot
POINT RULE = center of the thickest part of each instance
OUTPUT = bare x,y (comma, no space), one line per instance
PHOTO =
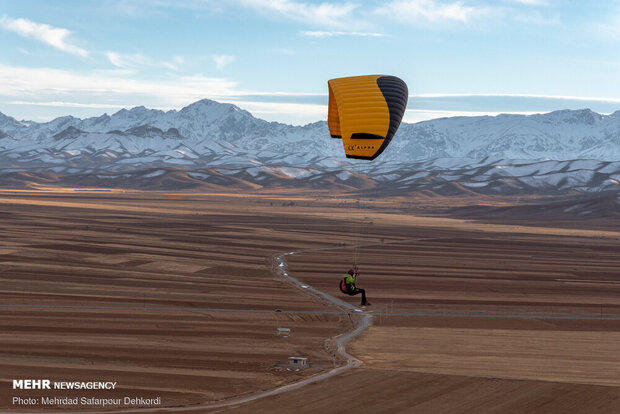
347,286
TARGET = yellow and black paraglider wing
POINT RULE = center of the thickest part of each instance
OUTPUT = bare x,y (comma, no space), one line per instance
365,111
333,120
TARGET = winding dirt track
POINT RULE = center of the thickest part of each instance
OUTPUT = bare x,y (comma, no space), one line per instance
171,295
362,320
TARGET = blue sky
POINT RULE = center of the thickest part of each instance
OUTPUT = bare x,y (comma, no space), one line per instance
274,57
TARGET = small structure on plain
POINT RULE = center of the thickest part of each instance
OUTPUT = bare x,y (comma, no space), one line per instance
284,332
298,362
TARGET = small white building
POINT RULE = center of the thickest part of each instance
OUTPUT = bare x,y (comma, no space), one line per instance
284,332
298,362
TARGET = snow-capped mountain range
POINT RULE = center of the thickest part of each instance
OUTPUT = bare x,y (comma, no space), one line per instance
220,144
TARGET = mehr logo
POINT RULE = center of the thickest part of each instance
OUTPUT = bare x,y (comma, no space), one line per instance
31,384
45,384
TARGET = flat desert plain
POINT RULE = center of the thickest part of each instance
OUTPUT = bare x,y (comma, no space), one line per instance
177,295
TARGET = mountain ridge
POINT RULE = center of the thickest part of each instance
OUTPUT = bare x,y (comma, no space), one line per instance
564,150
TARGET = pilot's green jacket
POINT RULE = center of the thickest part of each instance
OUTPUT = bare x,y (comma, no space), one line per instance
350,281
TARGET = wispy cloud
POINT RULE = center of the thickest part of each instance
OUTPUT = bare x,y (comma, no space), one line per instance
418,115
175,63
608,28
115,89
127,61
531,2
537,18
137,60
323,14
67,104
54,36
336,33
46,84
221,61
515,95
294,113
432,11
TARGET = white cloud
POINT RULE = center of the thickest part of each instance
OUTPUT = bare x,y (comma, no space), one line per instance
175,63
293,113
323,14
335,33
127,61
515,95
221,61
418,115
115,89
531,2
535,17
432,11
53,36
67,104
137,60
608,29
45,84
116,59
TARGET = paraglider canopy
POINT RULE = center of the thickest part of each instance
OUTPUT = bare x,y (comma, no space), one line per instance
365,111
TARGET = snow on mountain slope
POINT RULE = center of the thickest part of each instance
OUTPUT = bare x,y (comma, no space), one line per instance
559,151
560,135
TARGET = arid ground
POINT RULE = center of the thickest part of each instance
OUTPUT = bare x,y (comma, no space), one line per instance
174,295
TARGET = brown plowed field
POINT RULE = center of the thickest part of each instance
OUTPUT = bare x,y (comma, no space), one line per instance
173,295
401,392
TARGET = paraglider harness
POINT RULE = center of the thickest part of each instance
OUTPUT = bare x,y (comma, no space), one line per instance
344,287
